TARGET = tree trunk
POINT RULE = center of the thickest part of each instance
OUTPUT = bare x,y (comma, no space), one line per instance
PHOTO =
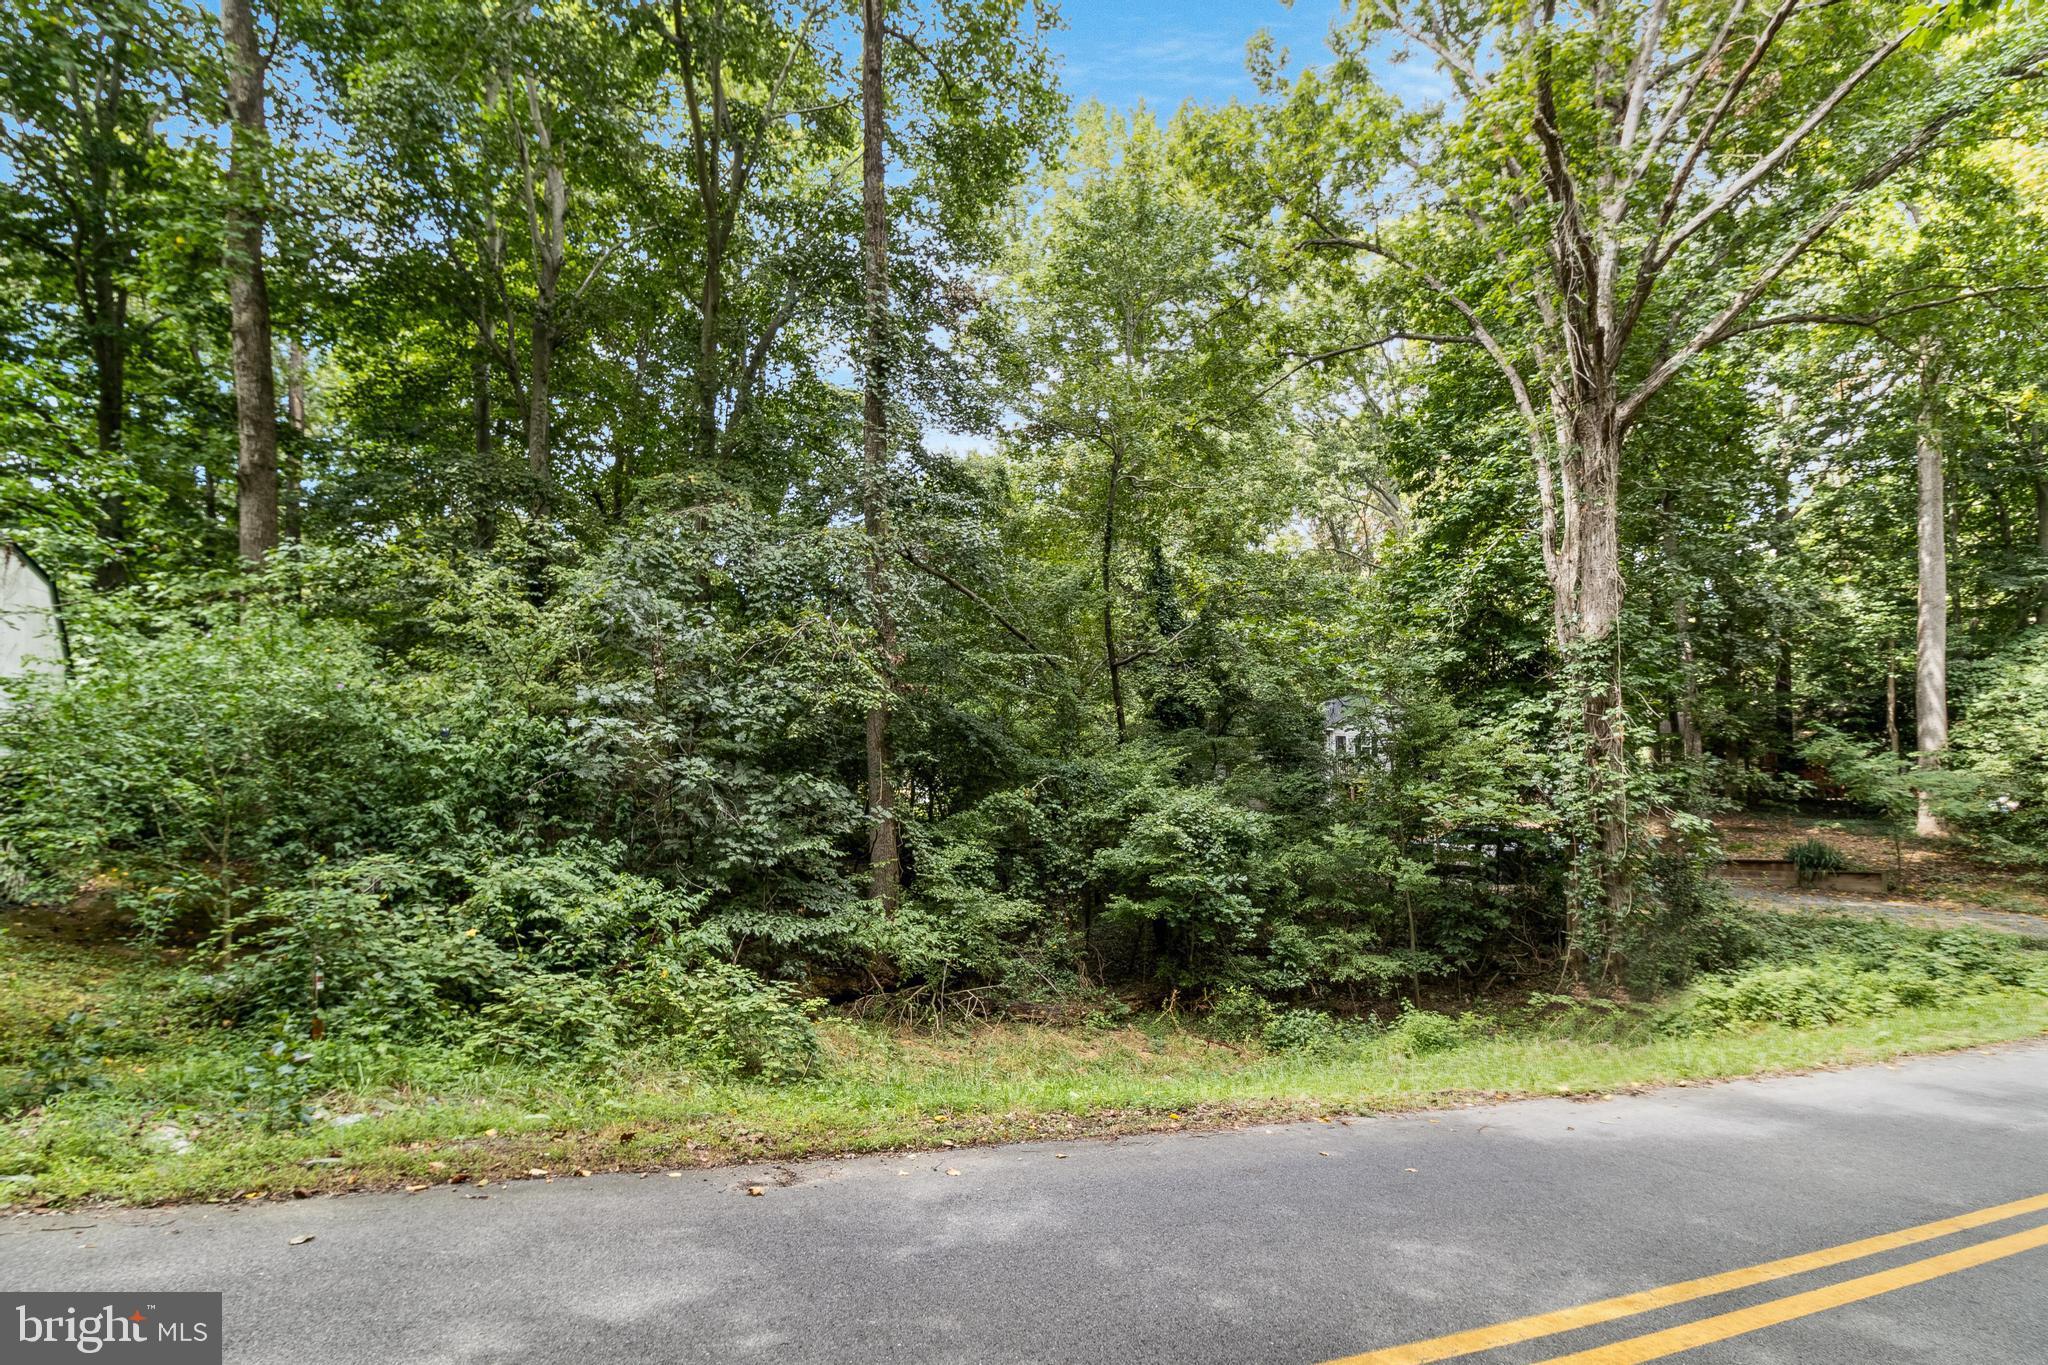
884,853
291,464
1686,712
1930,672
1588,588
2041,543
107,319
248,296
547,216
103,302
1891,707
484,530
540,370
709,299
1116,673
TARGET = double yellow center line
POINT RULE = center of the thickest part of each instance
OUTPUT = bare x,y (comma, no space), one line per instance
1683,1338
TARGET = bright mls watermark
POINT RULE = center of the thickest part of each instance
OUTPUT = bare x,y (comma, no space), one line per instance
165,1329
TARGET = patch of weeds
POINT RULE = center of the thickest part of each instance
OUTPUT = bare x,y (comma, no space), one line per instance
1813,859
1309,1033
1421,1032
278,1085
72,1056
1588,1019
1844,985
1239,1014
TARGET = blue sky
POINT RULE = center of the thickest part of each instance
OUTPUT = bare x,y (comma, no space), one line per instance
1122,51
1163,52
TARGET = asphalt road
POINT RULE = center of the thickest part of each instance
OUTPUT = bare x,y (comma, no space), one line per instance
1291,1243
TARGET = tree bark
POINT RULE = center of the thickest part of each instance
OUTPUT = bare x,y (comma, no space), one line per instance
1586,584
1116,675
291,463
1930,671
2041,544
547,212
248,294
102,298
1686,712
884,852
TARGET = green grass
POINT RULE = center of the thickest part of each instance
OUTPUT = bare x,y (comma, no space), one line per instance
435,1115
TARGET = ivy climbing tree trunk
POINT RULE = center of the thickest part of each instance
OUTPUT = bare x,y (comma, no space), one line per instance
884,855
248,294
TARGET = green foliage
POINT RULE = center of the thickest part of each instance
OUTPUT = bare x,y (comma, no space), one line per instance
1187,868
1814,859
1308,1033
198,757
70,1056
728,1022
279,1083
1238,1014
1807,974
1420,1032
544,735
1999,749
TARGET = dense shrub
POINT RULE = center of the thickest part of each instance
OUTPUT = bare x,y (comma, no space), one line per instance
2000,747
715,679
544,958
204,758
1858,976
1305,1032
1420,1032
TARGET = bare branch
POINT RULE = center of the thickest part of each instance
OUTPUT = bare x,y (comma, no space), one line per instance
1771,160
971,595
1874,320
1338,352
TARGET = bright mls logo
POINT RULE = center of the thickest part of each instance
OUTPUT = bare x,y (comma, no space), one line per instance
165,1329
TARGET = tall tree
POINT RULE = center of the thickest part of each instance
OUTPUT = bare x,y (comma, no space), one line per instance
83,88
1610,193
1930,671
248,294
884,858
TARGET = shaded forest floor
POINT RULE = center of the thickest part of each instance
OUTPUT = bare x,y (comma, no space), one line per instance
156,1107
1933,871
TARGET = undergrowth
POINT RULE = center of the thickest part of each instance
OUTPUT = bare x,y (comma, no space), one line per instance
115,1090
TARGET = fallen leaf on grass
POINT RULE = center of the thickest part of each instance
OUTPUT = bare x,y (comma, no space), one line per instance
581,1171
